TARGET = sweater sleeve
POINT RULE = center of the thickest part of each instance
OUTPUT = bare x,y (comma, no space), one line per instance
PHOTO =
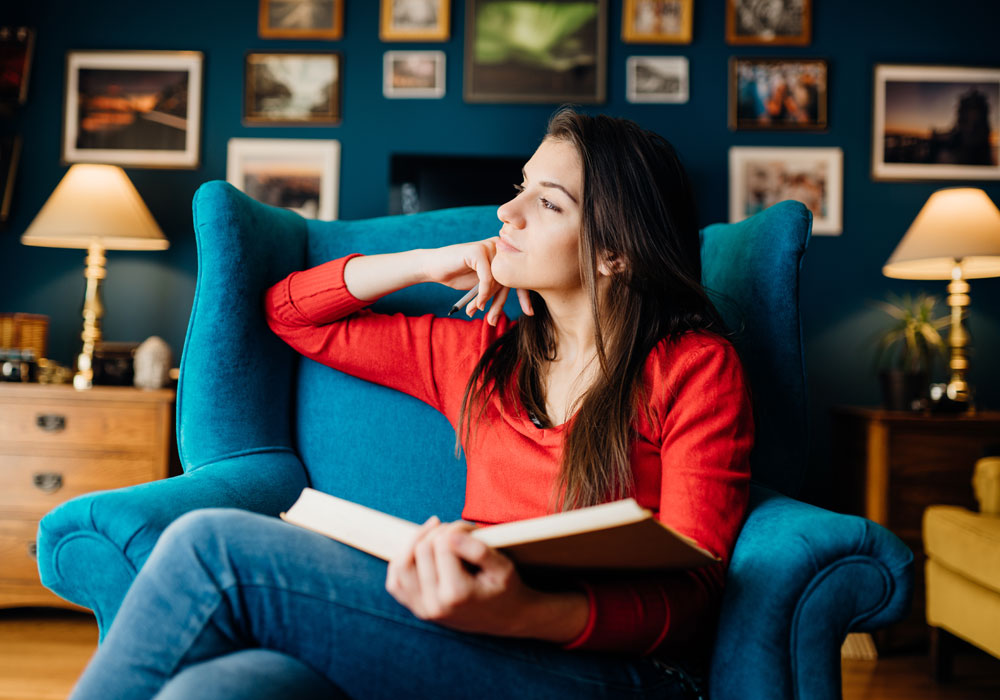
707,436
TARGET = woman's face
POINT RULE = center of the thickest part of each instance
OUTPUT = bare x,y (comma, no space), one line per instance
540,237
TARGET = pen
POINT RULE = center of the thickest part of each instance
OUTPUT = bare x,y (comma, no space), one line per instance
469,296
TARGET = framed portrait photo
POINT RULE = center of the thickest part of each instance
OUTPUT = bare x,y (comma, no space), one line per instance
552,51
16,47
936,123
769,22
657,21
662,79
413,74
292,88
301,19
140,109
302,175
779,94
760,177
415,20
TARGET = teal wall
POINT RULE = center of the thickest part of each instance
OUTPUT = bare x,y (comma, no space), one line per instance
151,293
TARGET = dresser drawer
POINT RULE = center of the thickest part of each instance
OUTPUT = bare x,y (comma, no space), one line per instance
17,551
35,484
73,424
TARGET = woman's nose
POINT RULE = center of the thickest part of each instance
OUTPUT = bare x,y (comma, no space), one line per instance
510,214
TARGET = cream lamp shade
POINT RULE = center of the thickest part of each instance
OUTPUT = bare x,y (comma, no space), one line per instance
959,224
95,204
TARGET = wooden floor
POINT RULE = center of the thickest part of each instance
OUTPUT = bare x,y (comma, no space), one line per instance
43,651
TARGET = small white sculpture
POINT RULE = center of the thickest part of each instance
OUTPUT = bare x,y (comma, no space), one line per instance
152,363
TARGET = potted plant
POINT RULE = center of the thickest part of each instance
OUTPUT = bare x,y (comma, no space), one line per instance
907,348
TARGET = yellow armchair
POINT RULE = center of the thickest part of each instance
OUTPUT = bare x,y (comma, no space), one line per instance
963,571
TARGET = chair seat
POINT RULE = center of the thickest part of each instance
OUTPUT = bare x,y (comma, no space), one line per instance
967,543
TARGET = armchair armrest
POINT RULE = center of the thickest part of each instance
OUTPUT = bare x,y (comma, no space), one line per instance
800,579
90,548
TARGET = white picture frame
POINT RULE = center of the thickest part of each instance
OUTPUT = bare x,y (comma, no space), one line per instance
657,79
413,74
264,169
110,106
761,176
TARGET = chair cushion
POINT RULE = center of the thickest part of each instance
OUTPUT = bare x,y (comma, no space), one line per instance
965,542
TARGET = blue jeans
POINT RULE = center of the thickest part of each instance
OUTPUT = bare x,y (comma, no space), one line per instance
235,604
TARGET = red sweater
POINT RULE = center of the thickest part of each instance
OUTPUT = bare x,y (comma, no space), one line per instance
690,464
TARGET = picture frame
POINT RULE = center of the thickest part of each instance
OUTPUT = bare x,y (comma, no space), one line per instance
301,19
17,46
292,88
755,23
10,153
778,93
934,122
657,21
139,109
569,67
415,20
413,74
760,177
657,79
302,175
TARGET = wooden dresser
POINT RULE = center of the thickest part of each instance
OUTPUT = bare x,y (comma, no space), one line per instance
890,465
57,443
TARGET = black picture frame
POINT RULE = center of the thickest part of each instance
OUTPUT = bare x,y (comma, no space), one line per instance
778,94
17,46
10,154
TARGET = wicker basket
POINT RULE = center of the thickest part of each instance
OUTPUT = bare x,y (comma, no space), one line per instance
25,331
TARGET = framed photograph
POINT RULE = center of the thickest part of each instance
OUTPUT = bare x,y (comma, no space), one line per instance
10,151
936,123
657,79
298,174
292,88
301,19
760,177
413,74
415,20
139,109
509,58
769,22
777,93
16,47
657,21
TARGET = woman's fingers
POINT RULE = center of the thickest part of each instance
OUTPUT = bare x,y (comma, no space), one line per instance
524,297
497,308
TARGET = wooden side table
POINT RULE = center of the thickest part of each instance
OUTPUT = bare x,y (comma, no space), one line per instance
57,443
890,465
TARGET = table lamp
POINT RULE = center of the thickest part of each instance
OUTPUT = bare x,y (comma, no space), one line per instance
95,207
956,236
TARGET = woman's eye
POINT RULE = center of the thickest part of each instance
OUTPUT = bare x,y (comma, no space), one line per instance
519,188
549,205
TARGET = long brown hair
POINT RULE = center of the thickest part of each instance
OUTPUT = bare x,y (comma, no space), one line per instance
639,209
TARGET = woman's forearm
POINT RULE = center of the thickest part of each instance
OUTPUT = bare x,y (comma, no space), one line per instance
370,277
555,617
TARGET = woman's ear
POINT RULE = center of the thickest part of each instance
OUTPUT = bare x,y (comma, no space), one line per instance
610,264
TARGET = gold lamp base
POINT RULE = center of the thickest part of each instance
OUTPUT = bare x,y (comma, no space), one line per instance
958,392
93,310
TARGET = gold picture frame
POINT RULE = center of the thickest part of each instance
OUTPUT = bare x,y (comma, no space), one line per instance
301,19
292,87
657,21
415,20
750,23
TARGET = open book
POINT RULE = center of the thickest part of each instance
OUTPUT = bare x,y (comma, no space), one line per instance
618,535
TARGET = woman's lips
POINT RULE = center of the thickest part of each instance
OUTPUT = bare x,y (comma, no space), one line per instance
502,244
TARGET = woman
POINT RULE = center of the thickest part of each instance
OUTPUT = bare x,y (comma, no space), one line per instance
617,381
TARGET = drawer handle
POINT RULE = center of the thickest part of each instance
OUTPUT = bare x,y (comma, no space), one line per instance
49,482
51,423
33,549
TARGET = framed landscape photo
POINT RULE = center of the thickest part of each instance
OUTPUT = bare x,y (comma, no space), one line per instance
657,21
292,88
760,177
301,19
16,48
298,174
778,93
661,79
552,51
415,20
769,22
413,74
936,123
140,109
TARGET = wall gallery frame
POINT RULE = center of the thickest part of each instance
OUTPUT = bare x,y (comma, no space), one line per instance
16,48
10,152
657,21
302,175
656,79
778,93
413,74
301,19
551,52
415,20
769,22
292,88
139,109
760,177
936,123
